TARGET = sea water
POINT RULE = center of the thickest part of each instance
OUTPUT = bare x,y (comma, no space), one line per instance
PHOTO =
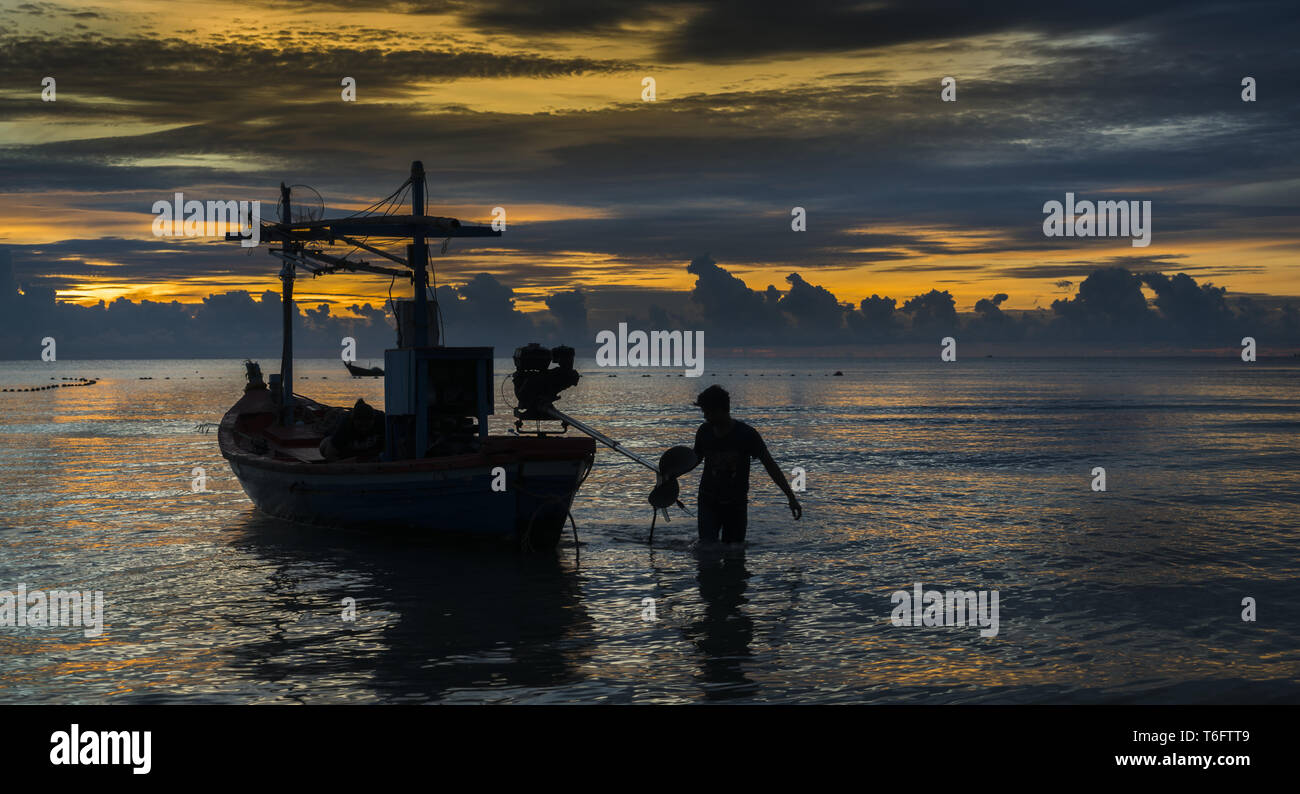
976,475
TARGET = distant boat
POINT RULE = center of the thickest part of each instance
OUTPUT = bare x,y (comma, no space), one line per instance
364,372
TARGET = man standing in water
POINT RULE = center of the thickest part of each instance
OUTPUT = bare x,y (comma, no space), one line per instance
726,445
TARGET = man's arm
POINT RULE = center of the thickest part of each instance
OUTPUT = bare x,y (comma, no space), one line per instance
778,477
699,446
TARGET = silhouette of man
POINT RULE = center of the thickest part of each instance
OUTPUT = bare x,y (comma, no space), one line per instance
726,445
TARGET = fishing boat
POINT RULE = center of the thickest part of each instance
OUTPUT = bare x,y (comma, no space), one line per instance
426,463
363,372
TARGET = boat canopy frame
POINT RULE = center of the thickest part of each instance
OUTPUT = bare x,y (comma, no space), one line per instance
297,250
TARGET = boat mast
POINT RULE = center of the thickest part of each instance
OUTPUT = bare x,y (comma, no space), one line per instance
286,308
418,256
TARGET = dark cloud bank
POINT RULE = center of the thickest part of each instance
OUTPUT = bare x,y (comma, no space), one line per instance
1109,312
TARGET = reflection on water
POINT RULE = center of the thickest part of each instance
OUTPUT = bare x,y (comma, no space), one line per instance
724,632
429,621
972,476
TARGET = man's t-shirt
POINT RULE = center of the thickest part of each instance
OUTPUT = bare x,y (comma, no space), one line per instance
726,461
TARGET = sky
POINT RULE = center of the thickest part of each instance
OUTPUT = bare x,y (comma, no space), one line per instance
676,210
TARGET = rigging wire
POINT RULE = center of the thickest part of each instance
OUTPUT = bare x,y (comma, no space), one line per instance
433,274
384,207
380,202
389,205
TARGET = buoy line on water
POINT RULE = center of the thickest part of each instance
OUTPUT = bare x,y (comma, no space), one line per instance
74,382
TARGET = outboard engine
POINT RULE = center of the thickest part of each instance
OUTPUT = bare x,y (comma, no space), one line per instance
537,383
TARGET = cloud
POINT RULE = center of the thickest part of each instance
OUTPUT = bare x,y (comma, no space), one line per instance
484,307
1109,308
731,308
813,309
569,308
239,323
991,323
1110,100
1198,311
164,71
934,312
875,319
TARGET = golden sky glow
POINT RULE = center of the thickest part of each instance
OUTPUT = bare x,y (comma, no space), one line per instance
792,100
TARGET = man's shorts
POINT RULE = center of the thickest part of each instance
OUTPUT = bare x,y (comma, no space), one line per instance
730,518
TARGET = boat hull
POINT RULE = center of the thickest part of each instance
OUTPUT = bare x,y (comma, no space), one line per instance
451,496
453,502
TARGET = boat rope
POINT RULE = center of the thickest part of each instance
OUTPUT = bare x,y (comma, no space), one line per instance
547,500
544,500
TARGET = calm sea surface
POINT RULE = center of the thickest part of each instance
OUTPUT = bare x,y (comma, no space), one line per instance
972,475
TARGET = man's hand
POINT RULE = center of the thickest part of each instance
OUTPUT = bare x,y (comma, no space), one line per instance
796,509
